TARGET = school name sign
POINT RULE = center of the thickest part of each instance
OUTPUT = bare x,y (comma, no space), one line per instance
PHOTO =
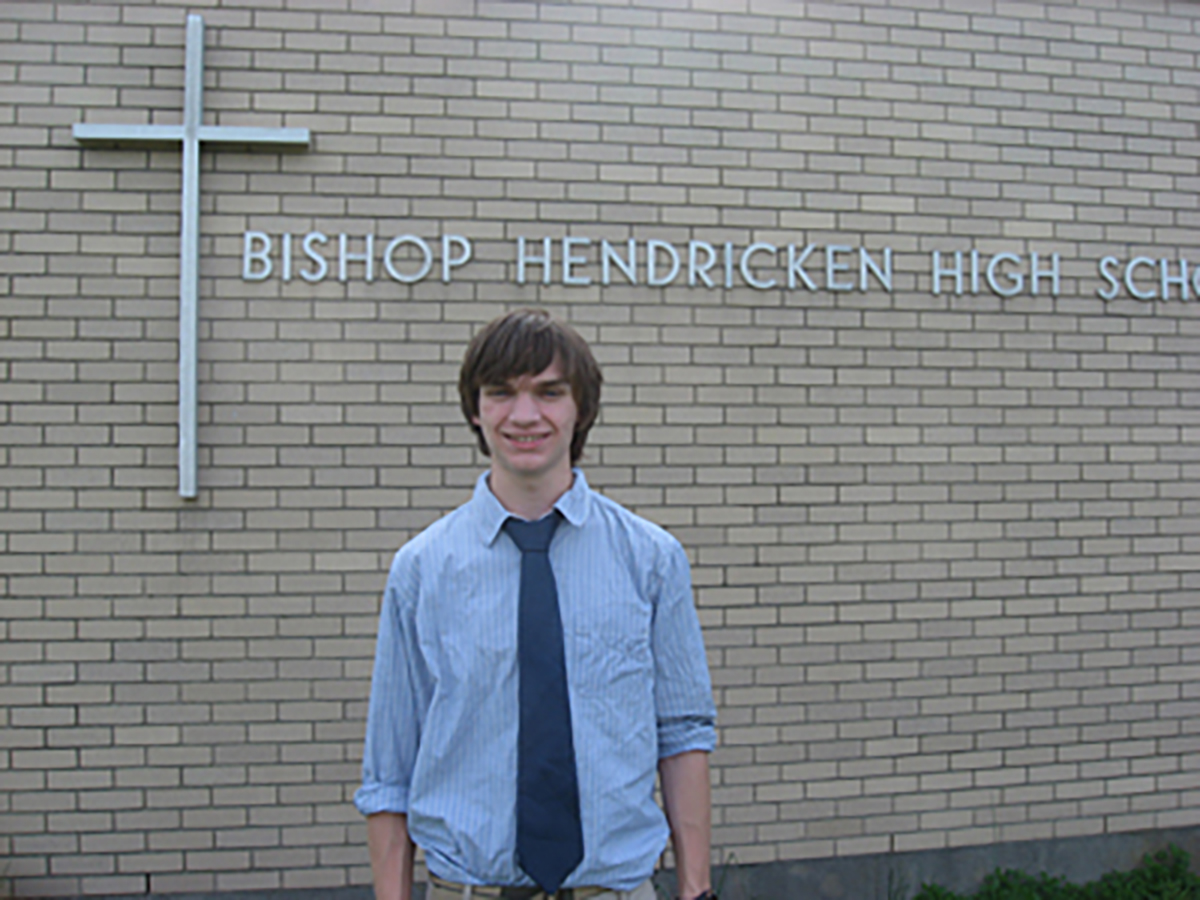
578,261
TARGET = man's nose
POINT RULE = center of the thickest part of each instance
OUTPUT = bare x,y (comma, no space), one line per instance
525,406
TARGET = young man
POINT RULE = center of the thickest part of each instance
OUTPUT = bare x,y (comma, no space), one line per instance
539,660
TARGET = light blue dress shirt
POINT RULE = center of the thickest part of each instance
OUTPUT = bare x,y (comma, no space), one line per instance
441,741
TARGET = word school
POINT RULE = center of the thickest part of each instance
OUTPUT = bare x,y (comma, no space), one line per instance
581,261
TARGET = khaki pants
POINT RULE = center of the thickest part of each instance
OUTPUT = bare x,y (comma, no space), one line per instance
444,890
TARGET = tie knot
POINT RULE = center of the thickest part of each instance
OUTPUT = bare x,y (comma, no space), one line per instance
533,537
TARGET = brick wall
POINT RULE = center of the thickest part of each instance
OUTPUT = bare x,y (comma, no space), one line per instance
946,540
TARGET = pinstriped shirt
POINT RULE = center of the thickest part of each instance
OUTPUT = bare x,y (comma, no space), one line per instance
441,742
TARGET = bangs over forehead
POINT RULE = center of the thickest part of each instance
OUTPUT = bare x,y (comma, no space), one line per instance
521,348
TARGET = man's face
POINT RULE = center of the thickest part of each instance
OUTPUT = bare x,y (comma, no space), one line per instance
529,423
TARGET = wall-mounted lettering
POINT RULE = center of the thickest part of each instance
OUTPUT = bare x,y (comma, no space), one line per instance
406,258
1143,278
581,261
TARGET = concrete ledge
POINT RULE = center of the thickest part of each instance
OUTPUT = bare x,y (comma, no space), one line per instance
898,876
884,876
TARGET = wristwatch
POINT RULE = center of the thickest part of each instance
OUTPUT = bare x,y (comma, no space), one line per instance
710,894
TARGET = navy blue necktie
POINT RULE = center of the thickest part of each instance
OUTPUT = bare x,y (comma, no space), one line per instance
549,832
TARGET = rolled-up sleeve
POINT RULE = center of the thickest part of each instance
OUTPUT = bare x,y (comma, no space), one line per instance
682,689
396,707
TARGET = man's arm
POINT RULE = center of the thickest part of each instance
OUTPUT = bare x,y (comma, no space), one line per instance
687,798
390,746
392,853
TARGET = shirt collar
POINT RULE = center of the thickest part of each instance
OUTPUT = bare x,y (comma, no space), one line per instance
491,514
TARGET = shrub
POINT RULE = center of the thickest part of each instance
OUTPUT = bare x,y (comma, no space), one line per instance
1160,876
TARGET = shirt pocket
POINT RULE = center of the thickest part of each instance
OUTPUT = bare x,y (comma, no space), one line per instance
613,662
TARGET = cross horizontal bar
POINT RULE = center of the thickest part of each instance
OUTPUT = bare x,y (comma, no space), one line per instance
275,139
126,135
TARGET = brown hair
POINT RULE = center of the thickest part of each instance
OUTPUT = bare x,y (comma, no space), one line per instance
526,342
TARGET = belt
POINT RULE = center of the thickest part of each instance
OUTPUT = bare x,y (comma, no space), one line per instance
518,893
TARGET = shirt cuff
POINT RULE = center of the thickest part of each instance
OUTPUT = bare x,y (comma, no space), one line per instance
378,798
681,735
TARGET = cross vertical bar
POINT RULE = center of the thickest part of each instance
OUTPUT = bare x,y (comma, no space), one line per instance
189,252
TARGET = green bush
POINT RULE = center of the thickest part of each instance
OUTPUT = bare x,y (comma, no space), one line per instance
1161,876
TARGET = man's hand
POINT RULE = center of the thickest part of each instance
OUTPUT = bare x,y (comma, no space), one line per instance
687,798
392,854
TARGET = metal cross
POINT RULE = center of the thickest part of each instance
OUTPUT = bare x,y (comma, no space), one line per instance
191,134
